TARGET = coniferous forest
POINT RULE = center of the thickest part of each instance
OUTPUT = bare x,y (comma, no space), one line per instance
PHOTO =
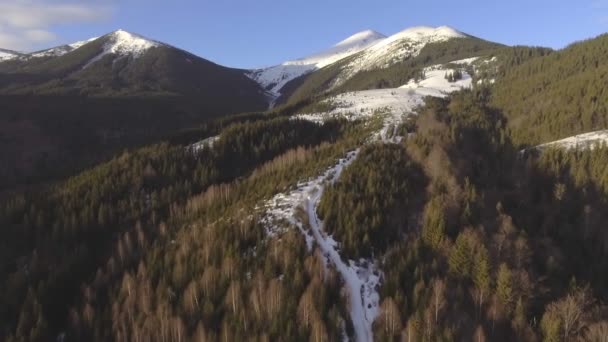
475,235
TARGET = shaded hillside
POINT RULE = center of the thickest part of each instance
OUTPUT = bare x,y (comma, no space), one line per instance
558,95
60,113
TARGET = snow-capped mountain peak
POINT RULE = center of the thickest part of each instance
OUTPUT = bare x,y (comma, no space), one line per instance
124,44
361,37
121,42
351,45
274,78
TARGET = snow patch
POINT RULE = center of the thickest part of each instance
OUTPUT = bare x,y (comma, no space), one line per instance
583,141
398,102
205,143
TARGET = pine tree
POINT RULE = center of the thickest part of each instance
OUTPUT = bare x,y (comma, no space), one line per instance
481,274
504,286
433,230
460,259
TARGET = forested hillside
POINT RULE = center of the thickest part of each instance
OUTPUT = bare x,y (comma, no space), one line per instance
132,197
558,95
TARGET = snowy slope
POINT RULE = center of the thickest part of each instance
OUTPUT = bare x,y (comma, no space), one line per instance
7,55
398,47
125,44
579,142
397,101
275,77
60,50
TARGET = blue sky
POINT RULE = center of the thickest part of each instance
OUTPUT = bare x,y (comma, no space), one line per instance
254,33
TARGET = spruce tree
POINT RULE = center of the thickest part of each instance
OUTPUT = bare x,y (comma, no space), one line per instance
504,285
460,259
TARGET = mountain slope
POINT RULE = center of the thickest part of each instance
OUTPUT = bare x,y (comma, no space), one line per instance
555,95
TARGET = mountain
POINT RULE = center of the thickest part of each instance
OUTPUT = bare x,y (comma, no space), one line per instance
7,55
127,64
389,62
117,91
274,78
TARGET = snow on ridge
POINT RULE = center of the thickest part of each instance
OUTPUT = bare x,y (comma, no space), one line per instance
425,33
275,77
78,44
353,44
398,47
60,50
7,55
583,141
358,37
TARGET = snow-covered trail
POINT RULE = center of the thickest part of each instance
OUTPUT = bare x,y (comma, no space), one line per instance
583,141
360,279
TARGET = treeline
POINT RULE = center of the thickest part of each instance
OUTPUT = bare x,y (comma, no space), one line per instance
54,240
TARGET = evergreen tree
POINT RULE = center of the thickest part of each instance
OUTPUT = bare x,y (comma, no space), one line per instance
461,256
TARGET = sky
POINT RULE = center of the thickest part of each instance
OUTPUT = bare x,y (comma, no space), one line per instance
257,33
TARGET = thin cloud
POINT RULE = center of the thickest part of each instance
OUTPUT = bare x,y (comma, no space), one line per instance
26,23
